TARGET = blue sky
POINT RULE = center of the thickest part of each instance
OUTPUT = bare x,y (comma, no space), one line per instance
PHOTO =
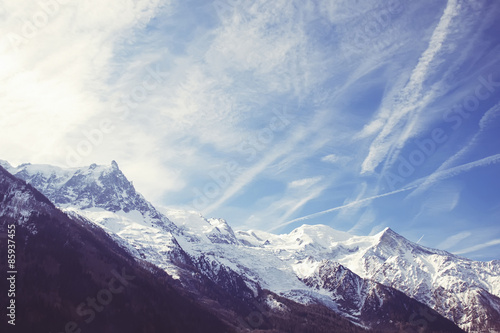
270,114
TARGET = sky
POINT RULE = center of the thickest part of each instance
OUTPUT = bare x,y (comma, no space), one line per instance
356,114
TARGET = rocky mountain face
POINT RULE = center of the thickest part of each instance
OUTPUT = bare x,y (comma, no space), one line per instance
377,303
381,282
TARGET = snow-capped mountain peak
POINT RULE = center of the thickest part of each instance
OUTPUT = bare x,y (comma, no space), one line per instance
94,186
319,235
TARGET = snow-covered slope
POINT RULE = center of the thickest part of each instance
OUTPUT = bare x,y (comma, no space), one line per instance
311,264
197,229
464,291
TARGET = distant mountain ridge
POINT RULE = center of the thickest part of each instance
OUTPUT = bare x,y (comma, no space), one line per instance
310,265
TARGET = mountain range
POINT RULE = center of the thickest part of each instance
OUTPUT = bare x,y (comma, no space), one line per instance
79,227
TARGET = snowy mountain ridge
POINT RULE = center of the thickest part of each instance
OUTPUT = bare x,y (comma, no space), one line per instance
447,283
310,264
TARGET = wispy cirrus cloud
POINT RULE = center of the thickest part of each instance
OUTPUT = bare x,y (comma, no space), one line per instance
486,120
336,159
400,116
478,247
298,133
304,183
444,174
279,208
453,240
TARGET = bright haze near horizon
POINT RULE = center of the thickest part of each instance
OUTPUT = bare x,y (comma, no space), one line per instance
270,114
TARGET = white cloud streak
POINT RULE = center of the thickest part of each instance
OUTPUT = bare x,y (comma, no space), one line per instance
299,203
486,120
298,134
478,247
399,126
349,205
445,174
453,240
305,182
